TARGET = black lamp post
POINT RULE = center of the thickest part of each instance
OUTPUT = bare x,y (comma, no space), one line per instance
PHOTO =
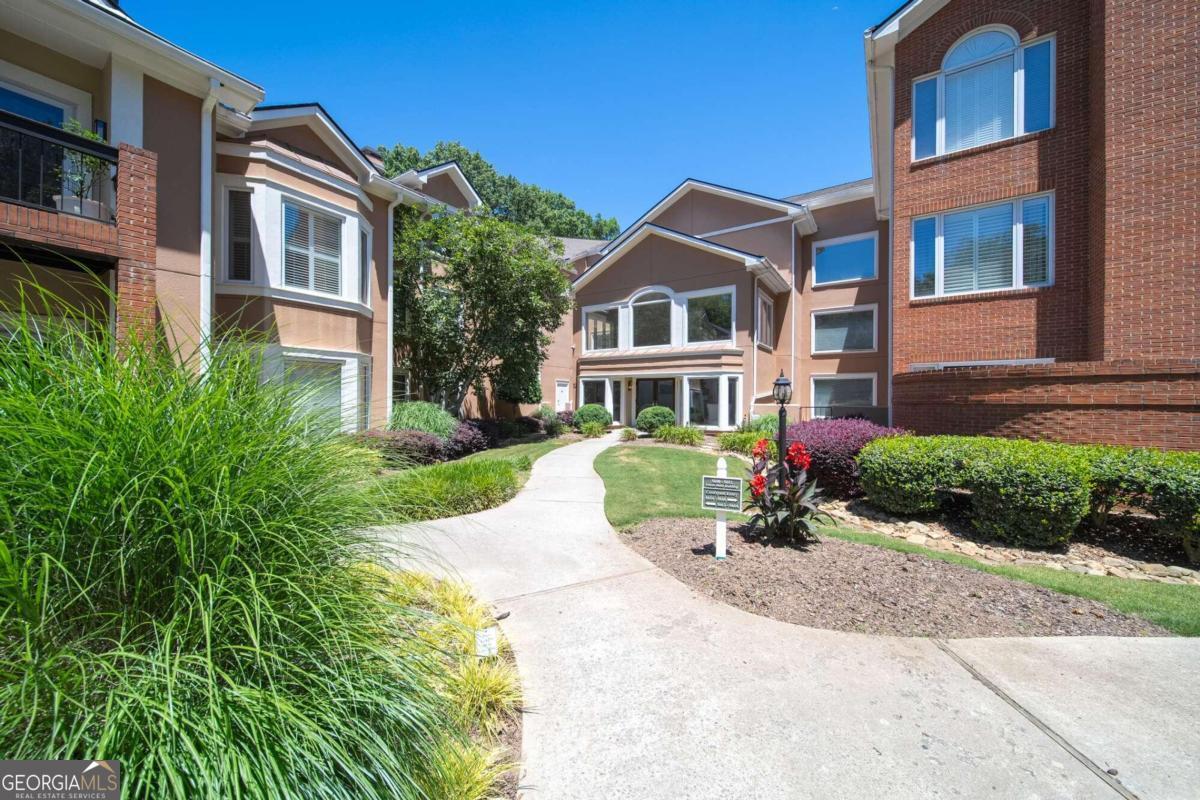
782,392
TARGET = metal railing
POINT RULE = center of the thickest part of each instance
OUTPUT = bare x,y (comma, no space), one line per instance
876,414
46,167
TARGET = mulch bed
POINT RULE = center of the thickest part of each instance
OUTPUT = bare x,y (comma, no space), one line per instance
840,585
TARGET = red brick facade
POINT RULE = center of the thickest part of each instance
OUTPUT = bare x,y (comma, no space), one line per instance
137,230
1123,161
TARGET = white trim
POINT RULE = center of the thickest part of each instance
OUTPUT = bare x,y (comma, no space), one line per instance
313,116
747,226
730,290
933,366
223,226
207,173
846,376
389,308
125,101
351,365
836,195
1018,254
294,165
872,307
292,295
759,299
853,237
1018,55
75,103
458,177
678,338
797,210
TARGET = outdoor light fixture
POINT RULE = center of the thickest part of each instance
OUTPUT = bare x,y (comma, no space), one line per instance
782,392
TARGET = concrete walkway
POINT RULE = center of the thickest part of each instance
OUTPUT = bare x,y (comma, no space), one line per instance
638,687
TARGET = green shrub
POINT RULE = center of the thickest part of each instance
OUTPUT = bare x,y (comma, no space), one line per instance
1173,484
743,442
651,418
767,423
180,585
591,430
628,435
552,425
422,416
448,490
1033,493
905,474
680,434
592,412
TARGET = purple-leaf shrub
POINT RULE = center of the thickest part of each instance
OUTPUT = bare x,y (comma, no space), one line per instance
466,439
832,445
567,418
403,448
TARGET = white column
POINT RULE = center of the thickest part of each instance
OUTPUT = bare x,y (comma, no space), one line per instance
608,398
125,103
723,400
681,400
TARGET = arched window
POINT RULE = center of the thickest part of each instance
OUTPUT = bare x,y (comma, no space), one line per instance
990,88
651,319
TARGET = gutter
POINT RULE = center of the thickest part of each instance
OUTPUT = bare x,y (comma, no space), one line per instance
206,219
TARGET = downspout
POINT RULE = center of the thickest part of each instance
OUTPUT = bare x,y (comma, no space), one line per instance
753,347
795,298
391,306
872,69
206,190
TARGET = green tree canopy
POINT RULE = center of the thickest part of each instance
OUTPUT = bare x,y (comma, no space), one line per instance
476,298
538,209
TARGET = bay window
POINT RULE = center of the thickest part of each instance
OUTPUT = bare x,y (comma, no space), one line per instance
987,248
312,249
990,88
845,330
704,401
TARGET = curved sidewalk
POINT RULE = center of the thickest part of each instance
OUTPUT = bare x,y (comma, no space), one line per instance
637,687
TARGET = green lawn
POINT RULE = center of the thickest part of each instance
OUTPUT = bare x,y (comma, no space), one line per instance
534,447
645,482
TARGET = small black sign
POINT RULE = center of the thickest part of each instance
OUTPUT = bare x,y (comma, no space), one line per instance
721,494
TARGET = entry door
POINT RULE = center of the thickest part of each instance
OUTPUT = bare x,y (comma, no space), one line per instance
562,395
655,392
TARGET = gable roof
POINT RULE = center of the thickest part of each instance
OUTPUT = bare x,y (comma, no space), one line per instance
760,266
796,210
835,195
456,174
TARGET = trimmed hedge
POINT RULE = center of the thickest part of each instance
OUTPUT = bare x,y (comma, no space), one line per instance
832,444
679,434
1034,492
592,412
422,416
651,418
743,442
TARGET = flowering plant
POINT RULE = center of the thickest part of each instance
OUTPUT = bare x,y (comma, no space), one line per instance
783,499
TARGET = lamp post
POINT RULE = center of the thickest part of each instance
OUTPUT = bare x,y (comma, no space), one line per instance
782,392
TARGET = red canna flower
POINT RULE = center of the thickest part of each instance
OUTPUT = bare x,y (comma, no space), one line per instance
762,448
797,456
758,485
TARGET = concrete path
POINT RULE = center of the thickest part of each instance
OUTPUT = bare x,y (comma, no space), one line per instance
638,687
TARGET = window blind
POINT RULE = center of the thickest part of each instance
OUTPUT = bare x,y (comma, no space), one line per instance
844,331
1038,60
1035,246
238,224
977,250
312,250
979,104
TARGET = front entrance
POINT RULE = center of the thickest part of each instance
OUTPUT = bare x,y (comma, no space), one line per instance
654,392
562,395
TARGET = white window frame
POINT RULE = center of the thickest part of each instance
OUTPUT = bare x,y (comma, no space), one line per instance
75,103
1018,54
1018,248
350,364
227,235
313,210
812,330
684,297
854,237
365,270
846,376
672,303
587,348
759,301
608,396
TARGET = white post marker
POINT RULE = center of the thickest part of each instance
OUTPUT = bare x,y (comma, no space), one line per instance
722,471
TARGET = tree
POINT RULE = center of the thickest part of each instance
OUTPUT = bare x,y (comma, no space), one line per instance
476,299
538,209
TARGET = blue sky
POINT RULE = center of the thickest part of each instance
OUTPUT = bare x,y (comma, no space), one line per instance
611,103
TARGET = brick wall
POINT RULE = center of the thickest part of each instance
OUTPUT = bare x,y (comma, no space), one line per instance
137,226
1149,402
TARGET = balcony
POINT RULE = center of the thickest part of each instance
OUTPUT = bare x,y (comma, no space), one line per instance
44,167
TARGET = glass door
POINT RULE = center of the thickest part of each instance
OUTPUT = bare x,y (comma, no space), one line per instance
655,392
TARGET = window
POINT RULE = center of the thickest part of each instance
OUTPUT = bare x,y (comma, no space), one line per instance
844,330
593,392
855,391
765,327
651,320
704,401
319,389
601,329
616,400
401,387
364,267
238,227
988,248
989,89
710,318
654,392
33,108
364,396
848,258
312,250
733,401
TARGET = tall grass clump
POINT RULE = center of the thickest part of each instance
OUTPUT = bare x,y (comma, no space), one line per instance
177,582
417,415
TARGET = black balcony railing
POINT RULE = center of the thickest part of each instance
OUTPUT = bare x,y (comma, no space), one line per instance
876,414
46,167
